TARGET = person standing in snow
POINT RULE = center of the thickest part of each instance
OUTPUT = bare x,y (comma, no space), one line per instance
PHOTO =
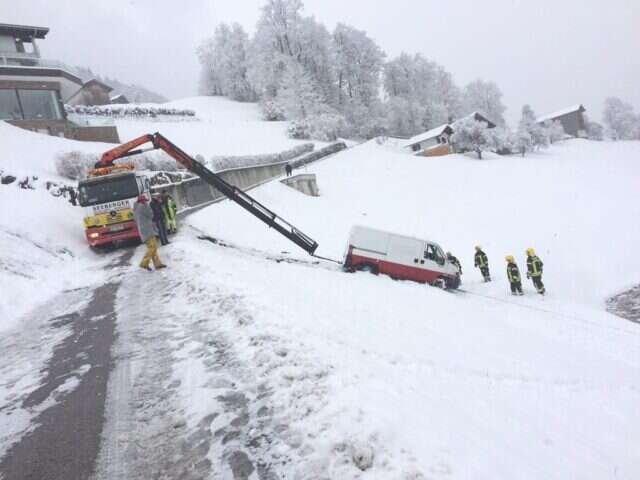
482,262
513,274
455,262
169,209
143,217
534,270
73,196
288,169
158,219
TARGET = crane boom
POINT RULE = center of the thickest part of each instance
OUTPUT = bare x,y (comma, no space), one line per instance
232,192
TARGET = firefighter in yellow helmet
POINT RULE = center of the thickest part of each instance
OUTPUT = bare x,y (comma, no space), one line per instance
513,274
482,262
534,270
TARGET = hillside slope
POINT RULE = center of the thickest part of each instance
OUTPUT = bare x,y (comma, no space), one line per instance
467,385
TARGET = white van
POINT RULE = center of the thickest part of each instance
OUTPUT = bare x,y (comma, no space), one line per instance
400,257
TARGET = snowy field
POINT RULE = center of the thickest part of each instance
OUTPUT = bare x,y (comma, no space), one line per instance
468,385
307,367
223,127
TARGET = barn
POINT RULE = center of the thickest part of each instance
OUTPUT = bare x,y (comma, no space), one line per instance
571,118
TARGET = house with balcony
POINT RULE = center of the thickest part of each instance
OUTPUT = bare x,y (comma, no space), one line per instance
33,90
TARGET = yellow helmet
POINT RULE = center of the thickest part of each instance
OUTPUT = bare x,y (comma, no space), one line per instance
531,251
478,247
509,258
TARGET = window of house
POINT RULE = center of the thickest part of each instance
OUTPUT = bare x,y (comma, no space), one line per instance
9,106
39,105
415,147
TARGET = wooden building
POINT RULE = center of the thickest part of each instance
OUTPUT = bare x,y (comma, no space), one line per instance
571,118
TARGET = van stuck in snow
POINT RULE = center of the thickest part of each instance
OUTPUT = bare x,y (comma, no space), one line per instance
400,257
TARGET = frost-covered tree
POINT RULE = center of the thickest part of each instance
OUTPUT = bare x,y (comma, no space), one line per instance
621,122
594,130
472,135
529,128
431,96
224,64
521,140
298,94
274,44
554,130
486,98
358,61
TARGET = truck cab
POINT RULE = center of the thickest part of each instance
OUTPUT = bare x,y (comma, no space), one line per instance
108,197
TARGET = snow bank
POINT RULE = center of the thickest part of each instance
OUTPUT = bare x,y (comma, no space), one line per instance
28,153
42,250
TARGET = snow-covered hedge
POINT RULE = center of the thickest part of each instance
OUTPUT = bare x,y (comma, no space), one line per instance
318,154
272,111
226,162
325,127
127,111
74,164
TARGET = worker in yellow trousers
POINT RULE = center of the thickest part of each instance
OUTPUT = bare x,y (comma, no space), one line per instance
144,221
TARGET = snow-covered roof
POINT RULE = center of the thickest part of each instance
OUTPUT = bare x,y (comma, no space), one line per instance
560,113
95,81
433,133
478,116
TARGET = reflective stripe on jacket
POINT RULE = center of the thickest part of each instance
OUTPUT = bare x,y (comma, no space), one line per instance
513,272
534,266
481,259
169,208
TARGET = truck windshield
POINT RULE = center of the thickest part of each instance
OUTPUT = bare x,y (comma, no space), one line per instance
108,190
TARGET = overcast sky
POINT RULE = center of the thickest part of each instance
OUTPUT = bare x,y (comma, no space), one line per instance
549,53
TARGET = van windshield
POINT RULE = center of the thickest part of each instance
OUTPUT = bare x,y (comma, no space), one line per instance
108,190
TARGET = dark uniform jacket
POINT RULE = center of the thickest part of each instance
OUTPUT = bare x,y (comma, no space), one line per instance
513,272
481,259
534,266
156,208
456,262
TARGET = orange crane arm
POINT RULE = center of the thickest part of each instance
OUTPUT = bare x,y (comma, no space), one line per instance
232,192
124,150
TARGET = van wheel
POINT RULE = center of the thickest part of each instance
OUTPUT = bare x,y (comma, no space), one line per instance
453,283
369,268
440,283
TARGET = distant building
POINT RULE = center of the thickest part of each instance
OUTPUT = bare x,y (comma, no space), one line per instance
119,99
33,91
93,92
478,117
433,143
571,118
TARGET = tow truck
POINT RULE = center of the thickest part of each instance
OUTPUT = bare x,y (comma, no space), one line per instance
111,189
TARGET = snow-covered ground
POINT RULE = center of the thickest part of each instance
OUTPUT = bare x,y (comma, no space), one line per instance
472,385
300,367
224,128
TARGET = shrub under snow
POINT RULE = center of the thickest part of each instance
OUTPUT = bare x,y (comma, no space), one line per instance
325,127
128,111
272,111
